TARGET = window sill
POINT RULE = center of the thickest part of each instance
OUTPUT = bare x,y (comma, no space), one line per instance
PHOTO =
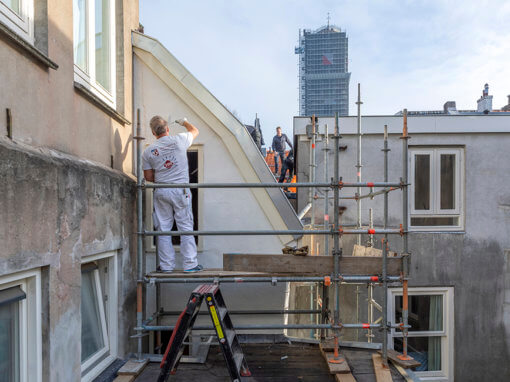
100,104
25,47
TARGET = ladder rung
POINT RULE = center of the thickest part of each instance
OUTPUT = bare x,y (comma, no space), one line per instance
238,359
222,312
230,336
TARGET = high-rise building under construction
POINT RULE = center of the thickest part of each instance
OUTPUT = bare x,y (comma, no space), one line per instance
323,75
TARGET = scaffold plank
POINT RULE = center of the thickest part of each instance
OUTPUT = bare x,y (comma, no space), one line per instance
309,265
382,372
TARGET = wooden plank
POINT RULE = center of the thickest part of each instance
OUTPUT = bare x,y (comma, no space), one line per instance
335,368
410,364
344,378
124,378
309,265
212,272
132,367
382,372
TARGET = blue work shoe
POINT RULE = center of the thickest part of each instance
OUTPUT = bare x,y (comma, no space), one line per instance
198,268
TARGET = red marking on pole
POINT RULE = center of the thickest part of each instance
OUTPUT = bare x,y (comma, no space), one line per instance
370,184
371,231
365,326
374,278
359,173
326,218
313,145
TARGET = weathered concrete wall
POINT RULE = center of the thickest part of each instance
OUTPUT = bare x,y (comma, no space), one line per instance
473,261
46,109
56,210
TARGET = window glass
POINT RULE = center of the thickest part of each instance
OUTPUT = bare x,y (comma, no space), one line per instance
447,181
425,312
80,34
422,182
14,5
10,341
91,329
102,42
426,350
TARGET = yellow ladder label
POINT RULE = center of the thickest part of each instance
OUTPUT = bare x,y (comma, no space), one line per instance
216,321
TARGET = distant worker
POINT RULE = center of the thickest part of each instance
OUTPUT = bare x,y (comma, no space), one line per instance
166,161
287,165
278,147
256,133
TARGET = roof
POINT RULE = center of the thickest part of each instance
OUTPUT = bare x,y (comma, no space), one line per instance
229,129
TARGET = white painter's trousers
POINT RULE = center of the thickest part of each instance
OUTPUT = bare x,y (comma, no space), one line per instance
170,204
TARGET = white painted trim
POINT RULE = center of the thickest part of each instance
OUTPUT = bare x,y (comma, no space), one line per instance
447,335
22,24
88,80
30,322
109,316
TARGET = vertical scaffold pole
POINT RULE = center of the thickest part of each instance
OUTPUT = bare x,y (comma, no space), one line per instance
358,163
337,251
312,174
325,297
139,206
405,253
385,254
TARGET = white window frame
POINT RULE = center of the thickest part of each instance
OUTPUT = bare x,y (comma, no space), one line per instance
446,374
435,188
22,24
30,322
88,80
108,314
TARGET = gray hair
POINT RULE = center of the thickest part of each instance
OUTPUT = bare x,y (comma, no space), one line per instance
158,125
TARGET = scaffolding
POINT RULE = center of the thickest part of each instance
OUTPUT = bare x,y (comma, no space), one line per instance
333,324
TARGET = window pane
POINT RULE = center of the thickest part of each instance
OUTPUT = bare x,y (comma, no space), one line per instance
80,34
423,222
422,182
425,312
10,342
447,181
14,5
426,350
102,33
91,328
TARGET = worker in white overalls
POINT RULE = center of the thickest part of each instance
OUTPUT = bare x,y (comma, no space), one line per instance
166,161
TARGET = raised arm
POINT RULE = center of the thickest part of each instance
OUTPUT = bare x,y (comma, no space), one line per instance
188,126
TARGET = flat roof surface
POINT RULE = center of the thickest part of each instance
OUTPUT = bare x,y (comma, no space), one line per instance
303,362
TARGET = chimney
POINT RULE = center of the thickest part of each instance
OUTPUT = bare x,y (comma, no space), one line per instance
450,107
506,107
485,101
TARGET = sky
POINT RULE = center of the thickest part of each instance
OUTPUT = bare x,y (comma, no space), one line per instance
414,54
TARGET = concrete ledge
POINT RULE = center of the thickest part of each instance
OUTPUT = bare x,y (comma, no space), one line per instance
25,47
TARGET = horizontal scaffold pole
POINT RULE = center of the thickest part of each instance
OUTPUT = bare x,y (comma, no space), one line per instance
273,232
271,185
161,328
206,279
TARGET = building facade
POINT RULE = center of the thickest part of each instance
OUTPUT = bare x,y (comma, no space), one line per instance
67,287
323,72
458,235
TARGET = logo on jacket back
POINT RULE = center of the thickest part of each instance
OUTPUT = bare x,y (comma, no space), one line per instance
155,152
168,164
